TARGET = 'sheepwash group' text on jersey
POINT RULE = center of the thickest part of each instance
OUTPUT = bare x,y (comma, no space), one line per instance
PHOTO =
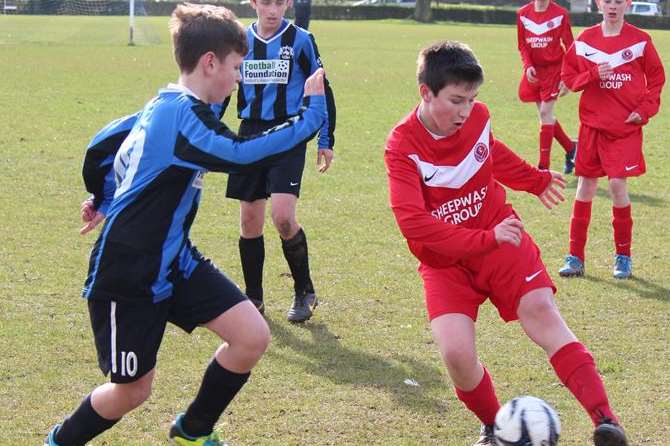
635,85
446,193
273,77
146,173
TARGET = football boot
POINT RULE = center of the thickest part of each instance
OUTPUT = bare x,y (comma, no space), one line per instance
178,437
486,437
303,307
572,267
608,433
623,267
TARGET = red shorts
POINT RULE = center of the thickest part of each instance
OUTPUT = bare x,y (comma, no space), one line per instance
545,89
600,155
504,276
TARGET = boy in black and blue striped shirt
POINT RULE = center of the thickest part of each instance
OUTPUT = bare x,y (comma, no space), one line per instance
281,56
146,174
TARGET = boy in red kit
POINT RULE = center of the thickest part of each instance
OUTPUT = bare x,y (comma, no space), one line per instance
542,26
618,70
446,174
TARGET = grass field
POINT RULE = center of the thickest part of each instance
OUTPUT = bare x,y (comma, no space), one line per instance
339,379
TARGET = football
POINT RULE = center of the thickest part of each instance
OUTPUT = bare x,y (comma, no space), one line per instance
527,421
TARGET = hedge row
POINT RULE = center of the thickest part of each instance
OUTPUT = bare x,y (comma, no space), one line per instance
326,12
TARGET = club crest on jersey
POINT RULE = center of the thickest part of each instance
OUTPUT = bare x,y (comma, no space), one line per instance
550,24
481,152
286,52
627,55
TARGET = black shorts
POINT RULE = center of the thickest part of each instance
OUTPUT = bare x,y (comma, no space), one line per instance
128,334
282,176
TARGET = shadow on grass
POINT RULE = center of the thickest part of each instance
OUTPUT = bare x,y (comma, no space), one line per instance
325,356
634,197
637,285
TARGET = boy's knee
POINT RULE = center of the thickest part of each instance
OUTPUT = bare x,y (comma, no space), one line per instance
136,393
459,359
255,342
284,224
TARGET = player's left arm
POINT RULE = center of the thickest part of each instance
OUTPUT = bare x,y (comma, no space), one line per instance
512,171
98,171
655,76
326,139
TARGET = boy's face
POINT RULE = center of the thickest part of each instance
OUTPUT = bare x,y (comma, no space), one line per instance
224,75
613,10
270,12
447,111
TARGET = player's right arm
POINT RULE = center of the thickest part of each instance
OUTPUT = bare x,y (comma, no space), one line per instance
578,75
204,142
417,225
524,51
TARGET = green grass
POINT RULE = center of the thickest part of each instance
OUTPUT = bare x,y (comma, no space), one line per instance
339,378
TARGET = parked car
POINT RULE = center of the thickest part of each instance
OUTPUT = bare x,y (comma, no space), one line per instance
644,8
401,3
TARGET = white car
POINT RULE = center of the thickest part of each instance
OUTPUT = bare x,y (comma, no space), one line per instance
403,3
644,8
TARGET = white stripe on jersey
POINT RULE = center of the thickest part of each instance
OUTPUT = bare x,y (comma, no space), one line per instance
112,324
541,28
128,159
454,177
621,57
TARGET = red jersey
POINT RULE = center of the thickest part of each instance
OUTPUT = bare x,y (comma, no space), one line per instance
635,85
446,193
540,35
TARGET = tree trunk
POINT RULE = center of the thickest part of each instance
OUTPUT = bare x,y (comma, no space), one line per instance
422,11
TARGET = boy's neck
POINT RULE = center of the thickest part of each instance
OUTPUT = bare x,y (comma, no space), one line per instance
195,85
266,33
541,5
611,28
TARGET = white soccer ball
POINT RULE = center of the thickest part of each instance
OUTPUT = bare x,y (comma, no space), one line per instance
527,421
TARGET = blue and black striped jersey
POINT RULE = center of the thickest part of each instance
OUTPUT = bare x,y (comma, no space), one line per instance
146,174
273,77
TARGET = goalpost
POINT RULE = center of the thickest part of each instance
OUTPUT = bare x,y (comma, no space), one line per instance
131,18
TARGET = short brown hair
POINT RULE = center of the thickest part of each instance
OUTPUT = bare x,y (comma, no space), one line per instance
448,62
198,29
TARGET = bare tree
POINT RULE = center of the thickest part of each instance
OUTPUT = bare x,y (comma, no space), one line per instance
422,11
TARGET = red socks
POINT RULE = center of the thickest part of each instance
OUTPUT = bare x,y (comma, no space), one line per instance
546,136
622,222
563,139
579,227
576,369
481,400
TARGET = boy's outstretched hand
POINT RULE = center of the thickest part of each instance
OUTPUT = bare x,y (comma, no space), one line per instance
553,194
314,83
510,230
90,216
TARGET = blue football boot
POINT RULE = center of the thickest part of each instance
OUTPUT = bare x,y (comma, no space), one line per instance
572,267
178,437
50,440
623,267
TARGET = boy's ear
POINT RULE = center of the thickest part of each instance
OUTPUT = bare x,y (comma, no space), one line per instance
208,60
425,92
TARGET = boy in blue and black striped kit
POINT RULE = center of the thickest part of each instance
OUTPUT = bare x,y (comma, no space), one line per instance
146,174
281,56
